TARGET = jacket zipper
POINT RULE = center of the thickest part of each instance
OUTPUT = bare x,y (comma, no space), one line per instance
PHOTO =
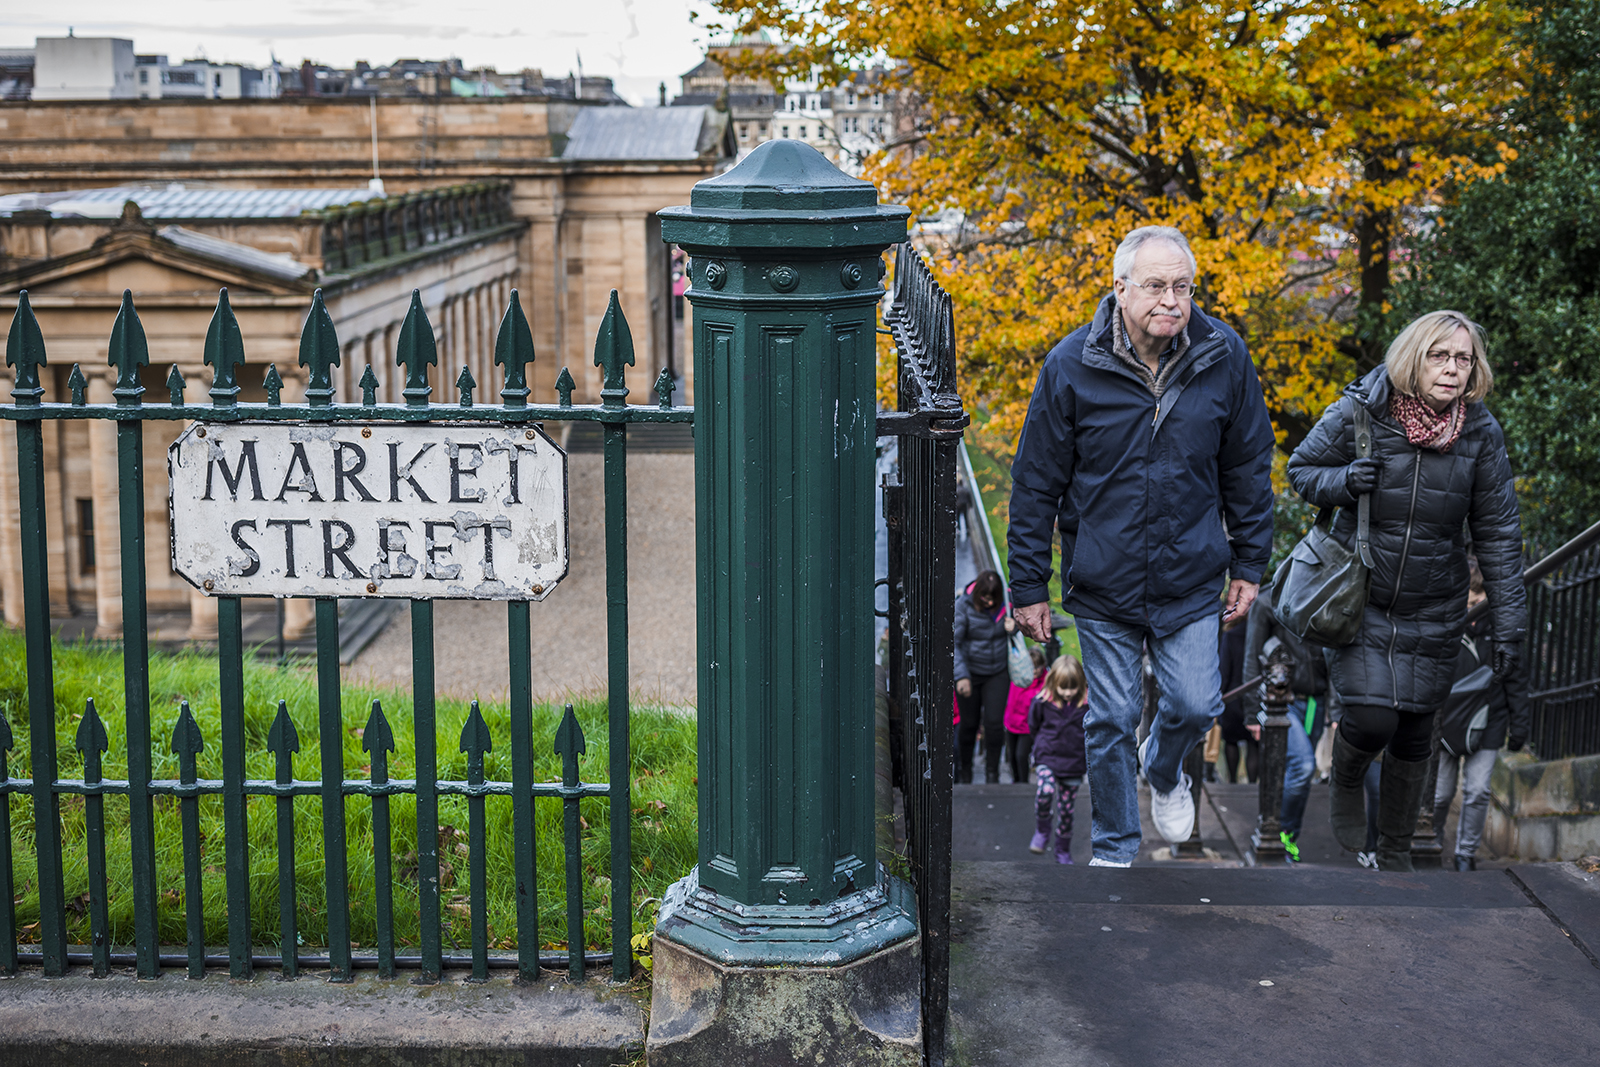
1405,552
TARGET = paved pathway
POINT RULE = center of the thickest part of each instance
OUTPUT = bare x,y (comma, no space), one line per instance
1204,962
569,626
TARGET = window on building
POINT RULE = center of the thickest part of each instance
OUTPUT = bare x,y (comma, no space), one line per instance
877,99
744,132
217,79
813,103
852,98
761,130
144,77
792,103
86,536
802,133
785,132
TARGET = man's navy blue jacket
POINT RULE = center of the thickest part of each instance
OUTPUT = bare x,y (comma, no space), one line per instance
1155,501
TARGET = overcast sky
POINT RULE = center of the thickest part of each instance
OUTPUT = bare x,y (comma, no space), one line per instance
637,42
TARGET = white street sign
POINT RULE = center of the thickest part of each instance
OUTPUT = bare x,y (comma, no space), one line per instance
451,511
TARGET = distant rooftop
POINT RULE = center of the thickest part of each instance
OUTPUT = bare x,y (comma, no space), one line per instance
646,133
178,201
277,264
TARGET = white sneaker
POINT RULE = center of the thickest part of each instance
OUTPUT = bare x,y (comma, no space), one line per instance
1098,862
1368,860
1173,813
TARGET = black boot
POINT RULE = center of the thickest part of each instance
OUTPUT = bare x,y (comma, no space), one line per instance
1466,863
1441,812
1347,802
1399,801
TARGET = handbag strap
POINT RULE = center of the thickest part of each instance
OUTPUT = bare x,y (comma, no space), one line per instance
1364,501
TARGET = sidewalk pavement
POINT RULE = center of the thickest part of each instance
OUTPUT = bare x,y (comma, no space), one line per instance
1204,962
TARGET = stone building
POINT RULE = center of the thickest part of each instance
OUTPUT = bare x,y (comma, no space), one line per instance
273,199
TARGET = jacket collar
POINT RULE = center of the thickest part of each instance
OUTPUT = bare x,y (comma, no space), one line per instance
1202,331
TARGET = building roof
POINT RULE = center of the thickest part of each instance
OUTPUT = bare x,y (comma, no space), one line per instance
177,201
644,133
276,264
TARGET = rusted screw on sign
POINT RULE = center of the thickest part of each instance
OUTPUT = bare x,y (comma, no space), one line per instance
538,589
530,435
366,431
201,432
372,587
208,585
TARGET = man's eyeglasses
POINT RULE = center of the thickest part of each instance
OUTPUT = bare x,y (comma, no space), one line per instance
1463,360
1181,290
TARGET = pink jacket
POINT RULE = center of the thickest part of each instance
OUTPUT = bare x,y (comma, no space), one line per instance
1017,705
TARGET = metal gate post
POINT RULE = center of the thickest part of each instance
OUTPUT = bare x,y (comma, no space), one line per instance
787,900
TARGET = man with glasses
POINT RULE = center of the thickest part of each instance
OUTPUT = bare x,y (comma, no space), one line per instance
1148,443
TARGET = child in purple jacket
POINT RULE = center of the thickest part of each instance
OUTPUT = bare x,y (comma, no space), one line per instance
1056,721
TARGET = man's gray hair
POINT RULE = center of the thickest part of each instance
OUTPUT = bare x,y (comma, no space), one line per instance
1122,263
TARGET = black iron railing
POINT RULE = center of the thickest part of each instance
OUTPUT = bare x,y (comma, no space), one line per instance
920,512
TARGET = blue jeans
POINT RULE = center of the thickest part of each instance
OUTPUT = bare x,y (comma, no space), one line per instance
1190,682
1302,765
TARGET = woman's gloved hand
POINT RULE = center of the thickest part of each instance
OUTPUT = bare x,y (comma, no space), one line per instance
1362,476
1506,656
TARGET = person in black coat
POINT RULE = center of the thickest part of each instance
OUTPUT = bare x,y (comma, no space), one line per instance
1507,724
1438,471
982,638
1235,731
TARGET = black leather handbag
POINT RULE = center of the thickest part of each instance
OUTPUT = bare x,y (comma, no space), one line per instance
1323,592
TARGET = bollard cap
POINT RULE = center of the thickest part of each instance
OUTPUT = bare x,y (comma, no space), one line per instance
786,195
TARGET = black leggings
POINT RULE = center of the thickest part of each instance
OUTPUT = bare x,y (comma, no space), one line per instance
986,707
1407,735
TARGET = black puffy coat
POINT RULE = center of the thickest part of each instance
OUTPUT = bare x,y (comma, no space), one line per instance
1425,504
981,641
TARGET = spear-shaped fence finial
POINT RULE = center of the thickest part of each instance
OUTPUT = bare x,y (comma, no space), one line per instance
319,351
569,745
475,742
513,350
25,352
129,351
415,351
613,350
224,352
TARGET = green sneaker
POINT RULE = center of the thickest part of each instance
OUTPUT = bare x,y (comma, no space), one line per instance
1290,848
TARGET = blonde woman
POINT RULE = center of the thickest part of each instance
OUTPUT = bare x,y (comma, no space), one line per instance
1438,474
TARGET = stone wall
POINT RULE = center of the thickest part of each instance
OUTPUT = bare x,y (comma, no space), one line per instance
1545,811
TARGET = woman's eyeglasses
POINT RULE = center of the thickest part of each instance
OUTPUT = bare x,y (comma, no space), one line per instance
1439,359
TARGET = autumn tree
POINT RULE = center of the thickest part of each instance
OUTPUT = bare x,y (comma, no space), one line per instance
1285,137
1519,252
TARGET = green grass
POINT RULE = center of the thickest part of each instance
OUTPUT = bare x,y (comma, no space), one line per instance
663,827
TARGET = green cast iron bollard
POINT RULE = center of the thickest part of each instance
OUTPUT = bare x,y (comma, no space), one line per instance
785,281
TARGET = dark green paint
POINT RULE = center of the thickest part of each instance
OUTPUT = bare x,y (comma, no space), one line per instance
616,479
784,251
416,351
369,387
378,740
76,385
186,745
513,350
475,742
25,353
426,743
319,353
40,679
235,812
564,387
330,727
272,382
613,353
128,352
8,892
283,741
569,746
224,353
92,741
175,384
520,635
465,384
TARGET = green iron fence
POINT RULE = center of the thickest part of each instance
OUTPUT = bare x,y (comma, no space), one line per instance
319,350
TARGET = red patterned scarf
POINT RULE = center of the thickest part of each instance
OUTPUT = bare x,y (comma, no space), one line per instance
1425,427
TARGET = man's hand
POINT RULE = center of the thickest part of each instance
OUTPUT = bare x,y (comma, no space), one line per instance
1034,620
964,687
1241,594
